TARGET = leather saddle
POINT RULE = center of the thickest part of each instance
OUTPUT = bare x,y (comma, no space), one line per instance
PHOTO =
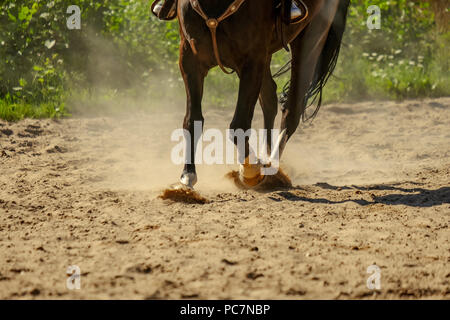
290,11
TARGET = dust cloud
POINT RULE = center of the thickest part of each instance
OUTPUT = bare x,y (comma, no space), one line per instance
346,144
130,135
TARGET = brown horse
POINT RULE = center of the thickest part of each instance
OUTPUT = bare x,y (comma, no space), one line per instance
245,43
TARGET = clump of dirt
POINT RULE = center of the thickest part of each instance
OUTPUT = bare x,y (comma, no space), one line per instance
183,195
277,181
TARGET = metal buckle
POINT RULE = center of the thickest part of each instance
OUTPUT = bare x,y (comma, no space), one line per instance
212,23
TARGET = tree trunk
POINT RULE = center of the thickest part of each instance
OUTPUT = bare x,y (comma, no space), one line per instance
441,13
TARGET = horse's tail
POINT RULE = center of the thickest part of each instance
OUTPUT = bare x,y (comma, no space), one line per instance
327,60
325,65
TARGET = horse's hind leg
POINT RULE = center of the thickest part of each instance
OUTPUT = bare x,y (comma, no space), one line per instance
306,50
193,75
269,103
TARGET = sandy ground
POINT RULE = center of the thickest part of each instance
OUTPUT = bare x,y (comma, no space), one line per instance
372,187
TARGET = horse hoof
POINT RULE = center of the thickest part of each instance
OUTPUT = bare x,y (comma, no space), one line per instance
188,179
250,175
251,183
180,186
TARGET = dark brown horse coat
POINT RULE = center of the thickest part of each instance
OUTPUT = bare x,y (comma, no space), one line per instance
246,42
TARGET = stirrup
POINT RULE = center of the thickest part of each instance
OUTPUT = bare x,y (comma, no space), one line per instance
157,9
298,14
158,6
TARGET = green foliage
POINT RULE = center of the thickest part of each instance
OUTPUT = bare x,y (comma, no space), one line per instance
406,58
123,50
28,66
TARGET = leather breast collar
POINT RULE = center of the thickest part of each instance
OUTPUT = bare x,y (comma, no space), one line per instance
214,23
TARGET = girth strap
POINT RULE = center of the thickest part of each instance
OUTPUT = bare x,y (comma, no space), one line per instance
214,23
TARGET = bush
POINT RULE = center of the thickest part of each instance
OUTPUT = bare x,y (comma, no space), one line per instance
122,48
406,58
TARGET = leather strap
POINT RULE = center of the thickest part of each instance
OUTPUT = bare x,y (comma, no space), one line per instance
214,23
281,25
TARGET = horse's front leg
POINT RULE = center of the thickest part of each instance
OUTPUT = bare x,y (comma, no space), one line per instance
251,77
193,73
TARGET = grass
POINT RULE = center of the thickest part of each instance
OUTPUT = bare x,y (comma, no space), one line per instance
362,77
18,111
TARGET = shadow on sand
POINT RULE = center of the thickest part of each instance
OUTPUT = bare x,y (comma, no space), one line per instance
414,197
